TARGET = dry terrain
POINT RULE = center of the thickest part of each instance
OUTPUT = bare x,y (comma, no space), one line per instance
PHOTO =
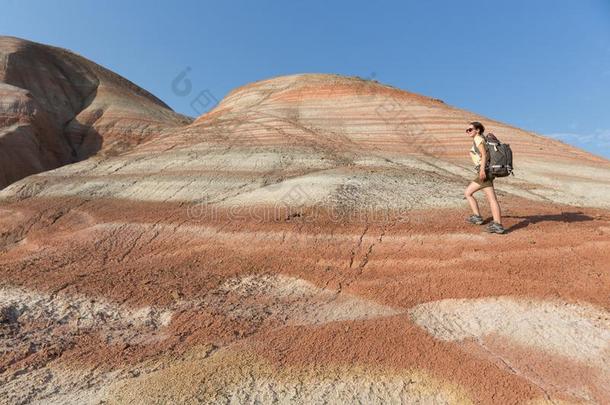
304,241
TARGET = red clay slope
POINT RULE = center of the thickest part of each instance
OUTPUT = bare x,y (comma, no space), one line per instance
58,108
305,242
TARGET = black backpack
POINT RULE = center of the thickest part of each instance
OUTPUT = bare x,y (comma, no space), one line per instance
500,156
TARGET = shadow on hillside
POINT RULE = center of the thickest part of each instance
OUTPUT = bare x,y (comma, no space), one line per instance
567,217
44,143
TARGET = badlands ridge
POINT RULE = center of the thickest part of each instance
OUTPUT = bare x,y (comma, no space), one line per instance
303,241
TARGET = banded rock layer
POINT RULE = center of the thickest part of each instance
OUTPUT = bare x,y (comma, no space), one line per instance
303,241
344,140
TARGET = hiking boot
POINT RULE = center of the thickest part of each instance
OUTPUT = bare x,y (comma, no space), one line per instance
495,227
475,219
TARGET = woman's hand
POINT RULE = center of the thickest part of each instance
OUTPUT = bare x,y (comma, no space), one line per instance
482,175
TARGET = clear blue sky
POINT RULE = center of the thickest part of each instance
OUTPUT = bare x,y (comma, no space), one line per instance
540,65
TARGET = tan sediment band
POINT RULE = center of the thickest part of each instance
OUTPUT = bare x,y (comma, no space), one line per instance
240,376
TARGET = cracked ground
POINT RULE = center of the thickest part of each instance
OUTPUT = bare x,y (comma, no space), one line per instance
396,308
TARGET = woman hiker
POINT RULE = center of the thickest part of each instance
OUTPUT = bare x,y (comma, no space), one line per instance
483,181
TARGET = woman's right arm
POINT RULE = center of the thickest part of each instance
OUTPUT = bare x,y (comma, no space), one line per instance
482,165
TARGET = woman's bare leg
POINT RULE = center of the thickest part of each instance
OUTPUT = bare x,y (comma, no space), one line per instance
490,193
471,189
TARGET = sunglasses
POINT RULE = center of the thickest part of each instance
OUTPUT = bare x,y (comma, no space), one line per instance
470,130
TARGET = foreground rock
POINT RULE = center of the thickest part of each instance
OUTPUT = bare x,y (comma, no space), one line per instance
304,242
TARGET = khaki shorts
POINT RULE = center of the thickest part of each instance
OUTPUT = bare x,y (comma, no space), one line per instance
489,180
